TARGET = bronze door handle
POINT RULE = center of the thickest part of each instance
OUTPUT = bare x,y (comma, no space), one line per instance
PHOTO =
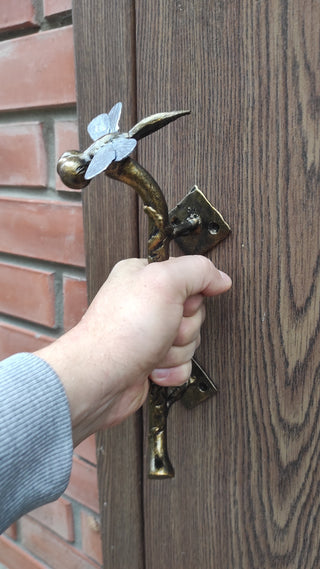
194,223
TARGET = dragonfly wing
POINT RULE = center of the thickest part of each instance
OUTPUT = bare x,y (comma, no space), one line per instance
123,147
114,117
100,161
99,126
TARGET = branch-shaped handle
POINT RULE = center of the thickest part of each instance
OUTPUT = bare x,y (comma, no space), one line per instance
160,399
109,152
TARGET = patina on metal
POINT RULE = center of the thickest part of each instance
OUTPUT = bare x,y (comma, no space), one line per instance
160,233
154,204
195,224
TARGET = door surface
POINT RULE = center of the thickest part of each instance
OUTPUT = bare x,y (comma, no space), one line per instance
246,490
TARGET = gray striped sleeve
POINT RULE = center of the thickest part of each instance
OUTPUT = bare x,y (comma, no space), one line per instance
35,436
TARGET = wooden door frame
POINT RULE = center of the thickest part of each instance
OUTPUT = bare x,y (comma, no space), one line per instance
103,77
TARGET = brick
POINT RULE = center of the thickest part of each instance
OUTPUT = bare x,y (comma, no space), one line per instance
91,536
38,70
27,293
44,229
75,301
83,484
58,517
23,160
66,138
14,339
51,7
52,549
87,449
13,557
15,15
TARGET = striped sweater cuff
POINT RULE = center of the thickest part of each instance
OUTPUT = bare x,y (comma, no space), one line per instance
35,436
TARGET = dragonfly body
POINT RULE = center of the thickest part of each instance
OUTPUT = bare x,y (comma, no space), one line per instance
109,147
98,144
108,143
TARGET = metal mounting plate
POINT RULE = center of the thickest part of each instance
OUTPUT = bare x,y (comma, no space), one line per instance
211,230
200,387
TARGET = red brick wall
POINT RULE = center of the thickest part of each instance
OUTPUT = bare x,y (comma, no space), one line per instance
42,277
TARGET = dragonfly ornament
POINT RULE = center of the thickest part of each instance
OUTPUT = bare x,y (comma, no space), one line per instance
108,143
76,169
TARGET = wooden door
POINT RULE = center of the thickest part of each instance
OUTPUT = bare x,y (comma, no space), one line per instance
246,490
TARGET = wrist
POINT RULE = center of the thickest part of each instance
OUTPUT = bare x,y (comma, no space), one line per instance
75,366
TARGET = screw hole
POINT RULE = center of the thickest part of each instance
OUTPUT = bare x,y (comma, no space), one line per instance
213,228
202,386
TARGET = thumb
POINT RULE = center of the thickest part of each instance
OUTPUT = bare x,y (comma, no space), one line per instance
195,274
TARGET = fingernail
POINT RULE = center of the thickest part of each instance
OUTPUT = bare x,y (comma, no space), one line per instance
159,374
226,278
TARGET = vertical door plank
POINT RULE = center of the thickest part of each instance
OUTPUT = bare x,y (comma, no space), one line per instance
246,491
105,63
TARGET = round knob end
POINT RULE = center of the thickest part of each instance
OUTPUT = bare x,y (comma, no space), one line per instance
71,168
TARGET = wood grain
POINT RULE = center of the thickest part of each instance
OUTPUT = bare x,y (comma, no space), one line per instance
246,492
105,61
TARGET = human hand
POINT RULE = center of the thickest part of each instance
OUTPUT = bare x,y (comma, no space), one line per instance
144,322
